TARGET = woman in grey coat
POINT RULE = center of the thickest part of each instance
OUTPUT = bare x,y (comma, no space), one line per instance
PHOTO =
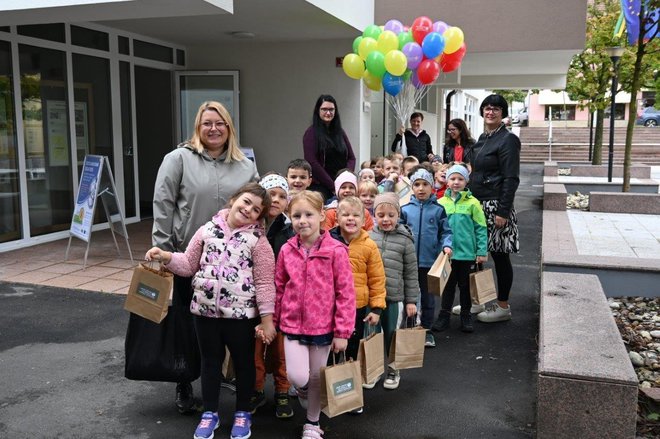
194,182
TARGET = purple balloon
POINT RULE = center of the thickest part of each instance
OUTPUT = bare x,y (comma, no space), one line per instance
395,26
415,80
414,54
439,27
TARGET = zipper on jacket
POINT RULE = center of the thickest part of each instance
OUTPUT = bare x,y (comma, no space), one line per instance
419,238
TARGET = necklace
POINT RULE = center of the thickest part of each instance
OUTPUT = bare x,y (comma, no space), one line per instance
489,133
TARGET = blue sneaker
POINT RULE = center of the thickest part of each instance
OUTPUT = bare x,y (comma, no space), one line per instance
242,424
209,423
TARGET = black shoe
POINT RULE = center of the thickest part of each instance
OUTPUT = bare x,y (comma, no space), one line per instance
257,400
228,384
442,323
466,323
283,409
184,401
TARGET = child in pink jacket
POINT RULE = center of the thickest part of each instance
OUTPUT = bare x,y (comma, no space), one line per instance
314,302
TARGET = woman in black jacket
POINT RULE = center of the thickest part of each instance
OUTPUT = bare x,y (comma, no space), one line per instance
495,160
418,142
459,142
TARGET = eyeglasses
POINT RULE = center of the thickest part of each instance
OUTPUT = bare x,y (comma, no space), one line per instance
493,109
327,110
451,130
218,125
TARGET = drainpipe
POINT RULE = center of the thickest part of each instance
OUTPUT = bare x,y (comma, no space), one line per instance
448,107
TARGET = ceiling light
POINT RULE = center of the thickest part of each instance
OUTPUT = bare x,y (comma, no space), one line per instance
242,35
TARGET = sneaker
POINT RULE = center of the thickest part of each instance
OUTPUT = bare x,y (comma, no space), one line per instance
466,323
283,409
372,384
495,314
357,411
228,384
430,340
474,309
241,427
184,401
392,380
257,400
311,431
442,323
301,392
209,423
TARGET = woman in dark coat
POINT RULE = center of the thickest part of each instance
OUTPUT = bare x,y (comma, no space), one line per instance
326,146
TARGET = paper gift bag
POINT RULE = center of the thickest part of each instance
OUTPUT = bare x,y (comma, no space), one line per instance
404,190
371,356
407,348
439,274
149,293
482,287
341,388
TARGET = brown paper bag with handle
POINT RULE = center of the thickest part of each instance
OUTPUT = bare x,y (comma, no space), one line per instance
482,286
371,356
407,348
439,274
149,293
341,388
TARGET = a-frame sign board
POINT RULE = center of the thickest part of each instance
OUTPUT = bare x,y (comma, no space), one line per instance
96,182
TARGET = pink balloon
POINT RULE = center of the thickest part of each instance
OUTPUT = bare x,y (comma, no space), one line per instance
414,54
439,27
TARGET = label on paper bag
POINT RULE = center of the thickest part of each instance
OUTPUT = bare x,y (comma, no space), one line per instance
344,386
445,274
147,292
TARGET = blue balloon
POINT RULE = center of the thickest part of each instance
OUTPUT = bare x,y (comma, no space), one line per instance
392,84
433,45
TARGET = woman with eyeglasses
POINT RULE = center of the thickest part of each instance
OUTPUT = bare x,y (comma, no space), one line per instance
495,160
194,182
326,146
459,142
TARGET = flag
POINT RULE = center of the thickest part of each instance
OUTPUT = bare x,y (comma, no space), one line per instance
630,9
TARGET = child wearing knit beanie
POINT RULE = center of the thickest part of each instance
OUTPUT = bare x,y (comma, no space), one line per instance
345,186
397,249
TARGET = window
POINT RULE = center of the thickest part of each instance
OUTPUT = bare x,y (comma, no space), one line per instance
152,51
93,39
124,45
52,32
560,112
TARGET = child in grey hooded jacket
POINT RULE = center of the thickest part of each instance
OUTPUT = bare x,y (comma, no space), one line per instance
397,249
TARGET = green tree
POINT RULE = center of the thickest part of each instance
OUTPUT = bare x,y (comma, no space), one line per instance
512,96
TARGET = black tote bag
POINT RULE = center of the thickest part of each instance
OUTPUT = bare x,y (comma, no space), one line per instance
165,351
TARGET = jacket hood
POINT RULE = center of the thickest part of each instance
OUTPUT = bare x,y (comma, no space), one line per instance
335,232
466,194
416,202
399,229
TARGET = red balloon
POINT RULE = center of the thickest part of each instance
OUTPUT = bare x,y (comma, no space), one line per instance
428,71
420,27
449,65
454,56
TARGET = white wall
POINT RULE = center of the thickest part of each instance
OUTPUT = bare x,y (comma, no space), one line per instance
279,84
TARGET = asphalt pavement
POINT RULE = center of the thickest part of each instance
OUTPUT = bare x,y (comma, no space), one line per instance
62,365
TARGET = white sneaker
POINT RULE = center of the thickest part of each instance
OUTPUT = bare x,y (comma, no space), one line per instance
312,432
392,380
495,314
371,385
474,309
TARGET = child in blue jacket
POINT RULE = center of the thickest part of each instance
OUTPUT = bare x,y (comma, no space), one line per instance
428,222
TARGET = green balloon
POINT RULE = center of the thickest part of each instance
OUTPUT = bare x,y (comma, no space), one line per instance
372,31
356,44
376,64
405,38
406,75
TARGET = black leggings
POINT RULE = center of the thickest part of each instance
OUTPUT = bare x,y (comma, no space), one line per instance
504,272
238,335
460,274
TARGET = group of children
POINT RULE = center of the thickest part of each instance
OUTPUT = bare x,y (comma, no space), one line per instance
281,279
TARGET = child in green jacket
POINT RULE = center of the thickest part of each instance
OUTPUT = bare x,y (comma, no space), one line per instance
468,224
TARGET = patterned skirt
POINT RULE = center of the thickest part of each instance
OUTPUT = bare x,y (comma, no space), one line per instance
504,240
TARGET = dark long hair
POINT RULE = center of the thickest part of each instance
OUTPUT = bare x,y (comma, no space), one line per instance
466,138
328,136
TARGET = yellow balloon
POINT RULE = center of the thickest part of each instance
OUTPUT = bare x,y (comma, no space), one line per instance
396,62
353,66
387,41
367,45
371,81
453,39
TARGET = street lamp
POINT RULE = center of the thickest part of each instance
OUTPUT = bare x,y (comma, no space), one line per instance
615,54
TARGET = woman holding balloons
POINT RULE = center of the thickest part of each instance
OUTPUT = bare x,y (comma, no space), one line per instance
418,142
326,146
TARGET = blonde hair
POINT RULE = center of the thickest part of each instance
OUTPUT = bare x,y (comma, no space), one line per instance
233,150
368,186
353,202
313,198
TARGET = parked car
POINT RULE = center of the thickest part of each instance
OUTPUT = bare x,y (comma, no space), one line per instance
521,118
649,117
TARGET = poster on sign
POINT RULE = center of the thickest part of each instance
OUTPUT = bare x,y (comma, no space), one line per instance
83,213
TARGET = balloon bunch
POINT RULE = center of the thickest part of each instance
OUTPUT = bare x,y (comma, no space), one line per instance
395,54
